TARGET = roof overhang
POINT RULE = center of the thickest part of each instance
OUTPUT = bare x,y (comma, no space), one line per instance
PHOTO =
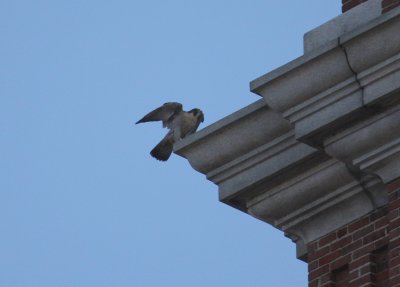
316,151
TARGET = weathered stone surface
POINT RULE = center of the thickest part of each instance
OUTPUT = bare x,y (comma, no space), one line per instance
233,136
336,83
305,78
373,43
342,24
307,208
316,151
364,137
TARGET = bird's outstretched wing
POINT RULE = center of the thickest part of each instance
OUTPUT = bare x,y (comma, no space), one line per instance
165,113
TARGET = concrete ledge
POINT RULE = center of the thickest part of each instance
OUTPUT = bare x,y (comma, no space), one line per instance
315,153
312,196
372,145
231,137
308,78
322,92
371,45
342,24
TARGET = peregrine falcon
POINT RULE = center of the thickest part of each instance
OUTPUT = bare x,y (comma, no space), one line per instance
179,123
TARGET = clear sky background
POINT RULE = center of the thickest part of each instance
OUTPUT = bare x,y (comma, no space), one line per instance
82,203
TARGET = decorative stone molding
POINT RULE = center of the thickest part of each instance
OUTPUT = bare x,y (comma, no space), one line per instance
342,24
316,152
306,206
230,138
331,84
372,145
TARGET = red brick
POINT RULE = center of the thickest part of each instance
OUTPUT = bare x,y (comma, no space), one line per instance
312,247
393,195
362,232
351,4
318,272
366,269
358,224
394,204
341,232
366,259
357,247
394,280
354,274
327,239
393,214
382,222
360,281
382,278
353,246
381,242
394,252
395,242
379,213
396,183
341,243
394,223
325,278
388,8
313,265
379,234
340,262
389,2
364,250
394,271
394,262
394,233
329,258
319,253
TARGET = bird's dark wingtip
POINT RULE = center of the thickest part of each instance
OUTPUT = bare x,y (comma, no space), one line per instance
158,157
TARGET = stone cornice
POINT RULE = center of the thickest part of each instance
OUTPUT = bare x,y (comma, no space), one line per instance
316,152
228,139
364,13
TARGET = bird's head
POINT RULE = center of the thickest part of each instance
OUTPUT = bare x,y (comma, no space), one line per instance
198,114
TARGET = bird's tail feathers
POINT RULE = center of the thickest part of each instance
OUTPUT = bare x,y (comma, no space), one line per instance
163,150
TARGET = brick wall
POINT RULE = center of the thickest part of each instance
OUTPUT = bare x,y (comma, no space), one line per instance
394,233
348,4
363,253
389,4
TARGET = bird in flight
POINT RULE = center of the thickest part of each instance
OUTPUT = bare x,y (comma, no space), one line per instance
179,122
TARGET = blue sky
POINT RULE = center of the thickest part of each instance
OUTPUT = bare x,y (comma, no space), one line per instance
82,203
